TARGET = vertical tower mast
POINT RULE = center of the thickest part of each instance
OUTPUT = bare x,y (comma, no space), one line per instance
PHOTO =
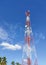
28,47
27,36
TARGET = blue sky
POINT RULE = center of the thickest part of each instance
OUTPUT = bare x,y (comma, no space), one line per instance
12,23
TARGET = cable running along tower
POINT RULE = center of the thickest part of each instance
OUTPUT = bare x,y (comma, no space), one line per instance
29,53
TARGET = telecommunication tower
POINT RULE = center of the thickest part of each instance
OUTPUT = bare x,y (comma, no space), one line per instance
29,56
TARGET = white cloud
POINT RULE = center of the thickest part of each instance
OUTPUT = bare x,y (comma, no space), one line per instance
3,34
10,46
9,32
39,37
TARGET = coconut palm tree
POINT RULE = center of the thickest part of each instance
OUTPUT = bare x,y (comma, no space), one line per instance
17,63
13,63
4,62
0,60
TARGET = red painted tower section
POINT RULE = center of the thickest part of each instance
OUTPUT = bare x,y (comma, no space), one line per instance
28,38
28,48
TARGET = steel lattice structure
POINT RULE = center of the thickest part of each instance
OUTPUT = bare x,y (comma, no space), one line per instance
29,53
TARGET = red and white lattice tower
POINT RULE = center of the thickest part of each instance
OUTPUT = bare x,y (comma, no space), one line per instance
29,53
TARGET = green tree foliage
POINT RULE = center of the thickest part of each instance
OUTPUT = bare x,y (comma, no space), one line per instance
3,61
17,63
13,63
0,60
